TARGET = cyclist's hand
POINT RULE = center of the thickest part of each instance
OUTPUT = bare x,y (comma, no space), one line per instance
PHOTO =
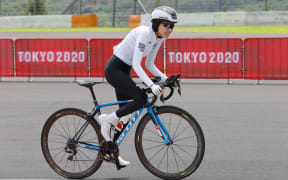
175,85
156,89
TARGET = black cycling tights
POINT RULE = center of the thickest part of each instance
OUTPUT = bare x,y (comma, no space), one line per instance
118,75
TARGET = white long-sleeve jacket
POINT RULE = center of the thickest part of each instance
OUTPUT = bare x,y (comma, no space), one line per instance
139,43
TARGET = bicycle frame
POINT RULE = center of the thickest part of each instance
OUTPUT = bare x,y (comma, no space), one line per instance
157,122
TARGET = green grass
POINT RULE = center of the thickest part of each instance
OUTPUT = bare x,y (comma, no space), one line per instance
228,29
99,29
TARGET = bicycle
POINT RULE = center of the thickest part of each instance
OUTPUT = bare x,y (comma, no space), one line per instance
169,141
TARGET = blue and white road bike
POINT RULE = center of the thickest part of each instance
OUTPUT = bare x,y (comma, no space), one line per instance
169,142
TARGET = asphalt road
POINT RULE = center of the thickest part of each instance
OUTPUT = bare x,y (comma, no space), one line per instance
245,127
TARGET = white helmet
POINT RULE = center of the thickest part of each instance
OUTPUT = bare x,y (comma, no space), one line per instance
164,13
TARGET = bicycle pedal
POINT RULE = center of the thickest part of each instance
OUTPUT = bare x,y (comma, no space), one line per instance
70,158
118,166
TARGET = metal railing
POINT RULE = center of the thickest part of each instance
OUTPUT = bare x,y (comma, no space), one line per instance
115,12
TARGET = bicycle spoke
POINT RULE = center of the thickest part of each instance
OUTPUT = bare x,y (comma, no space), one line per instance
152,140
167,160
60,127
74,122
91,141
87,133
85,162
60,134
66,164
176,128
153,132
57,142
184,145
52,149
170,120
55,148
67,125
58,152
181,132
183,138
185,151
62,158
78,164
183,154
154,147
74,165
156,153
175,158
67,135
164,123
78,125
86,156
162,158
180,158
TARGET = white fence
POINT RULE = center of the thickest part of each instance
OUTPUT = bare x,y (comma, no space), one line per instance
237,18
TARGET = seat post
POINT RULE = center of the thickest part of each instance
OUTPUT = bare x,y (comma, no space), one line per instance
92,93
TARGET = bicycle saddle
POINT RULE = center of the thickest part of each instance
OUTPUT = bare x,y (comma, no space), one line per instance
87,83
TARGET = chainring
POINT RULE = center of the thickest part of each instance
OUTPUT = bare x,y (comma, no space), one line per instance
109,151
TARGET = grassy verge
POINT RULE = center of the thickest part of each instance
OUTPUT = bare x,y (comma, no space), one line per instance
228,29
100,29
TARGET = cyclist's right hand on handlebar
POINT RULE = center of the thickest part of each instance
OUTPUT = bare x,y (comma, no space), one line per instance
156,89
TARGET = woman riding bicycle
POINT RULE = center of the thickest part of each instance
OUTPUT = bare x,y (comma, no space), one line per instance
140,42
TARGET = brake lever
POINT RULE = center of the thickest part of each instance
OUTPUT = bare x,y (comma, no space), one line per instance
162,98
172,78
179,91
156,79
170,82
179,86
178,75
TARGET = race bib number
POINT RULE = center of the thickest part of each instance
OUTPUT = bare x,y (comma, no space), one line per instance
141,47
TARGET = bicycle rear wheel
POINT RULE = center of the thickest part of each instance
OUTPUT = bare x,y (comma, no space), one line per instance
179,159
68,160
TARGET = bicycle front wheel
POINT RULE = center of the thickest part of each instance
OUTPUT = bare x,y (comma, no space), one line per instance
178,159
68,160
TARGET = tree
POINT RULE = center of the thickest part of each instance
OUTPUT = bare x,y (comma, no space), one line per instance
224,8
36,7
157,3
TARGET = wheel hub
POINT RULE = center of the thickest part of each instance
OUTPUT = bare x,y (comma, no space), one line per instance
70,149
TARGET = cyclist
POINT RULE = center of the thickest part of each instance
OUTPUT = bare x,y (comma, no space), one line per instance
140,42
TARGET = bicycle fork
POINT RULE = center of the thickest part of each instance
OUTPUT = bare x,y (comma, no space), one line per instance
160,128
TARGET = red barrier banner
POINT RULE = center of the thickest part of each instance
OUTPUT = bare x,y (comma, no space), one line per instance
100,52
102,49
6,58
266,58
205,58
52,57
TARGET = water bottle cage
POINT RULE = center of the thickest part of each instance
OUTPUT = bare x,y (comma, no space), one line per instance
117,130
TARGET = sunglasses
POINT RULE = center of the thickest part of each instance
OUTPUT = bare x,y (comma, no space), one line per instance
168,26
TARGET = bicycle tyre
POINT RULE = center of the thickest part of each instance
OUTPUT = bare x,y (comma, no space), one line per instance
179,117
70,116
